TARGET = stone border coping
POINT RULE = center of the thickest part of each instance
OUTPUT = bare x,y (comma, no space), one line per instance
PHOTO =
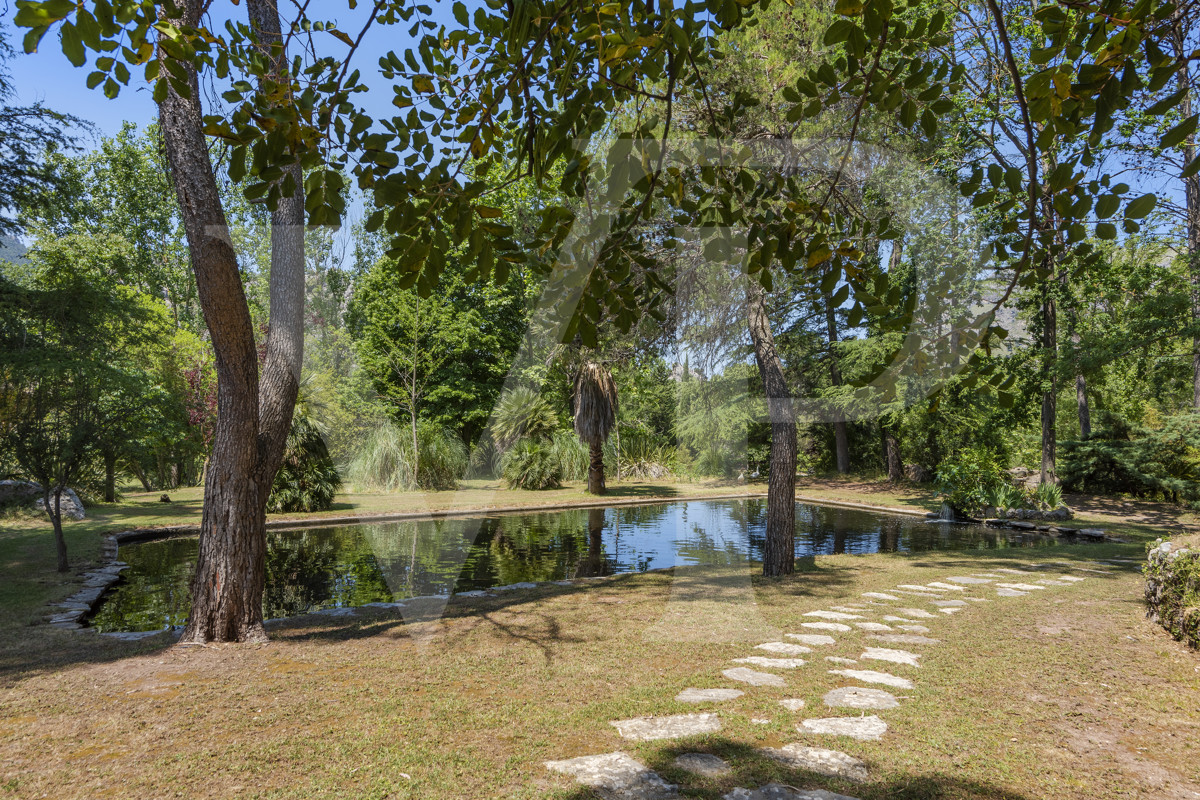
1092,534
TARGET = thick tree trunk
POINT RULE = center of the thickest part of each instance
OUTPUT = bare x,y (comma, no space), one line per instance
141,476
593,564
110,477
1050,393
779,553
1085,414
841,442
596,468
54,511
891,452
252,419
1191,193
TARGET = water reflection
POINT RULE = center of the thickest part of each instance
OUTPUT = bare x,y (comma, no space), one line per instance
318,568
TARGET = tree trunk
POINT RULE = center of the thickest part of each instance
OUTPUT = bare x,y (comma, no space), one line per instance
593,564
1191,193
891,452
110,477
252,419
1050,393
596,468
779,552
841,443
1085,414
140,474
54,511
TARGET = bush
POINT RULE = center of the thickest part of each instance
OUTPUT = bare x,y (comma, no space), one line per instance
571,455
307,479
966,479
522,413
1004,495
1120,458
532,464
385,459
1049,495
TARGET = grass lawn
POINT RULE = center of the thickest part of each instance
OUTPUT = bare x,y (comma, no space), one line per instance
1067,692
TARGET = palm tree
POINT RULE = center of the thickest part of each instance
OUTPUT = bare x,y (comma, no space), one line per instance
595,417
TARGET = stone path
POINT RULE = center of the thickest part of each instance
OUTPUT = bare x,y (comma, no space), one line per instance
620,776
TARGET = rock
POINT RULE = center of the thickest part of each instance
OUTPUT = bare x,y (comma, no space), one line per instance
616,776
916,612
747,675
1022,526
867,729
19,493
1092,533
164,498
1010,593
875,627
708,695
946,586
784,648
967,579
512,586
777,791
916,473
771,663
949,603
914,628
840,660
819,760
858,697
645,729
1021,587
895,656
825,626
880,596
950,610
792,703
921,589
834,615
906,638
871,676
812,638
69,505
703,764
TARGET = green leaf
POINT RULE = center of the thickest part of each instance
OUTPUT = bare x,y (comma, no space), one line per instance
848,8
1106,230
1178,133
1136,209
72,45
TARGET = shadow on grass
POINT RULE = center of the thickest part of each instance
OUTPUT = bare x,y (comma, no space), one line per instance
751,769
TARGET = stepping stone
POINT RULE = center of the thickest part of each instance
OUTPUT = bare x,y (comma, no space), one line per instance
923,589
1021,587
1071,578
917,594
616,775
872,626
792,703
950,586
1050,582
967,579
865,729
895,656
977,600
510,587
871,676
949,603
708,695
777,791
825,626
709,766
645,729
832,615
771,663
916,612
1010,593
783,647
831,763
849,609
905,638
890,618
759,721
914,628
811,638
840,660
747,675
950,610
880,596
1008,571
858,697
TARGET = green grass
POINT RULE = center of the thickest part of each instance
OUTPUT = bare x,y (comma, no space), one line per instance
1071,693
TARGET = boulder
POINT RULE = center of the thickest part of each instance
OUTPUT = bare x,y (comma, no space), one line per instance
69,504
19,493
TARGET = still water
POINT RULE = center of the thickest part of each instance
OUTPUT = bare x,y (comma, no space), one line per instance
315,568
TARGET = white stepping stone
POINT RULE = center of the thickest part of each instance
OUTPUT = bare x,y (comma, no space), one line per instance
1050,582
812,638
905,638
1008,571
708,695
840,660
858,697
871,676
850,609
914,628
792,703
778,791
923,595
968,579
645,729
890,618
873,626
866,729
880,596
759,721
825,626
1010,593
1021,587
916,612
771,663
836,615
617,775
831,763
747,675
923,589
704,764
950,610
950,586
783,647
895,656
977,600
949,603
1071,578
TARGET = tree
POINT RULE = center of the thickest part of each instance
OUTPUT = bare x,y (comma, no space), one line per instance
595,417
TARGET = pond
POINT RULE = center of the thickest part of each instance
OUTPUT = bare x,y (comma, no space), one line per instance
352,565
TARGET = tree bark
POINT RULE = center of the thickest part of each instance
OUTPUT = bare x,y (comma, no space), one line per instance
110,477
1085,414
1050,393
891,452
596,468
841,442
1191,193
253,418
779,552
54,511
